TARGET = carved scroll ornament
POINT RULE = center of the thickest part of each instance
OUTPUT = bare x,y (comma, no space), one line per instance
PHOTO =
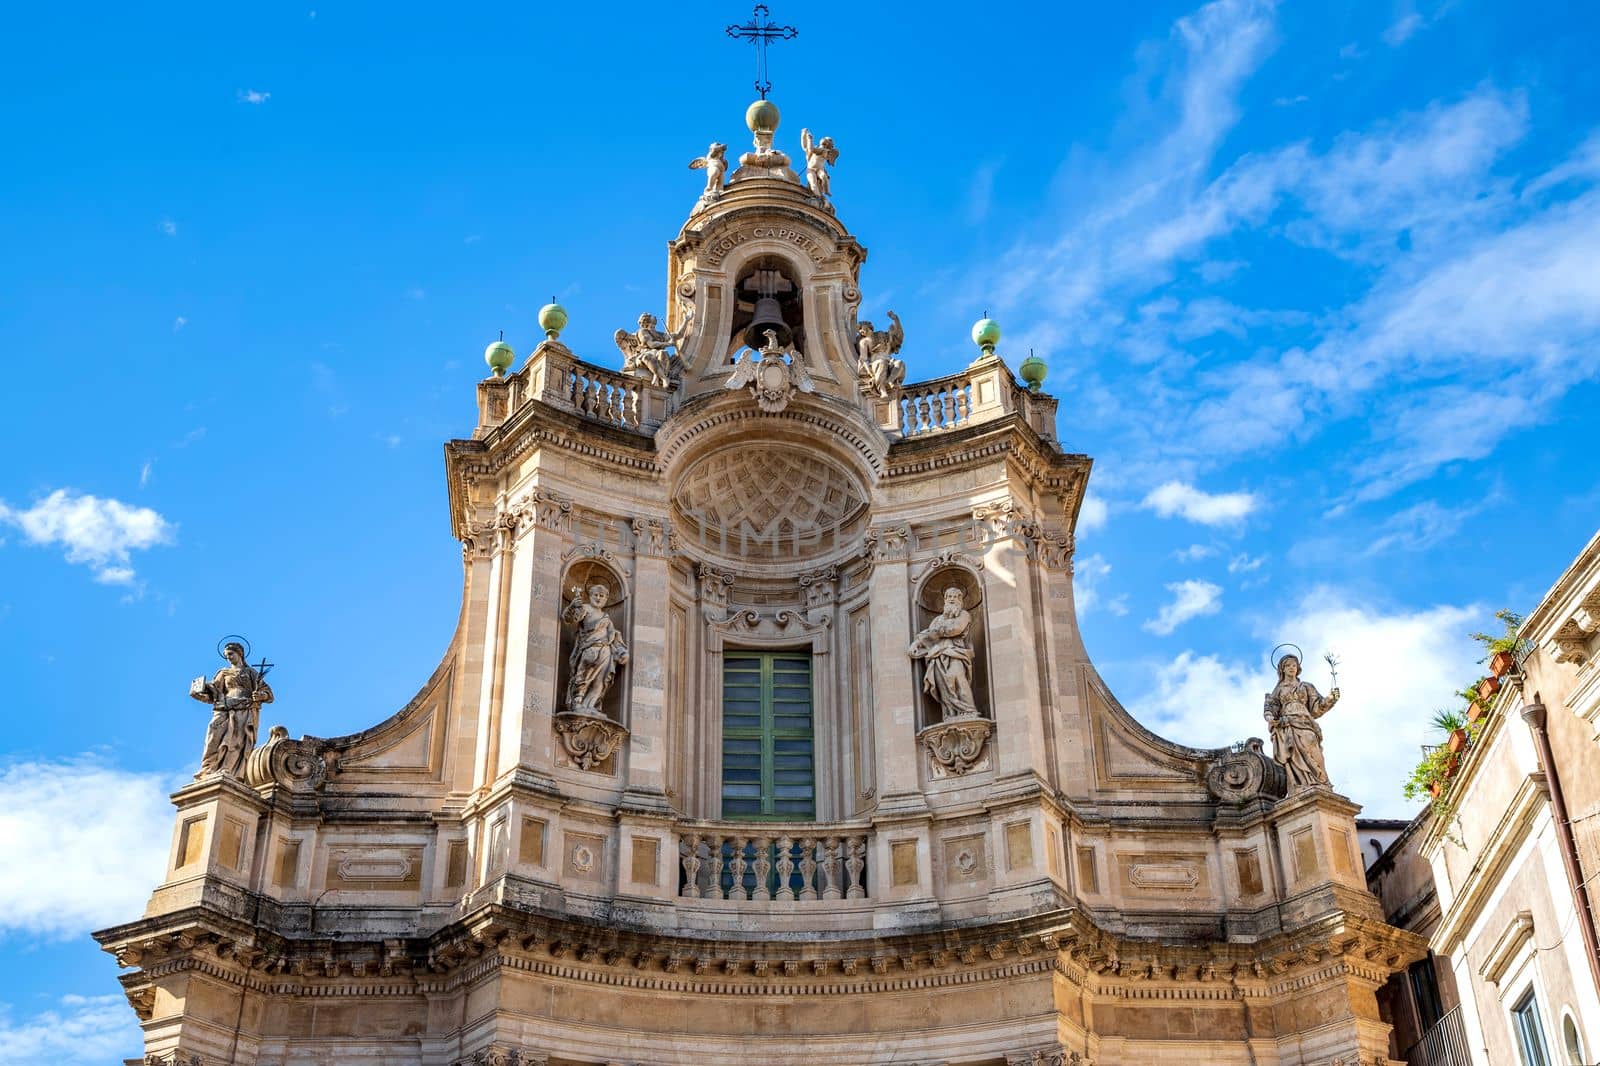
587,739
956,745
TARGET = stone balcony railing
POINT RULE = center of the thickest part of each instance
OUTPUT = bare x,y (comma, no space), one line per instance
773,862
982,392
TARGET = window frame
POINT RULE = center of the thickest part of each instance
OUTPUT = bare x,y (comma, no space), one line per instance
768,733
1523,1010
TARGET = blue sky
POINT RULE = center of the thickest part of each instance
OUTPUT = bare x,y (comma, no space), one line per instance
1316,284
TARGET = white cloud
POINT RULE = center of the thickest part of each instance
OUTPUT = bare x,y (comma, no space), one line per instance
145,471
1244,563
1194,552
1190,599
1210,509
169,227
980,192
88,843
1093,514
1088,575
95,532
79,1031
178,323
1396,667
253,96
1402,29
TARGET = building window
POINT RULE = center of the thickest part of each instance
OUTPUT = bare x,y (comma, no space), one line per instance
1530,1033
767,765
1425,993
1572,1041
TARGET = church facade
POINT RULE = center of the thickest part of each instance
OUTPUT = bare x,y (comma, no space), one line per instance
766,734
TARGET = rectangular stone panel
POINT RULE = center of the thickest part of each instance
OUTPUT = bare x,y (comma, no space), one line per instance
1343,856
1088,873
903,862
1019,846
530,848
286,874
585,856
1162,873
455,874
192,842
646,859
230,844
965,860
1248,864
358,869
1303,846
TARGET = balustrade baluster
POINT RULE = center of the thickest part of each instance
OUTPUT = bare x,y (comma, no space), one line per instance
691,867
762,889
737,889
808,868
830,869
715,844
854,865
785,869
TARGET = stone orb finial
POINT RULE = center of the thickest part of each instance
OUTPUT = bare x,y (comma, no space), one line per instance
499,356
1032,370
552,319
986,334
762,117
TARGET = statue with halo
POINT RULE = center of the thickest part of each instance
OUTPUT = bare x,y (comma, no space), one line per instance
1292,709
235,695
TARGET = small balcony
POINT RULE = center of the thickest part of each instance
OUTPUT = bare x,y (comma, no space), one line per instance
1443,1045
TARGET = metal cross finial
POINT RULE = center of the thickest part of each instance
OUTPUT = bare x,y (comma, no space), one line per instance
761,31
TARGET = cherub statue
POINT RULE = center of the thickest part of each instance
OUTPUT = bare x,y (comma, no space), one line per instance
644,351
946,647
715,164
1292,709
235,694
876,364
819,156
597,651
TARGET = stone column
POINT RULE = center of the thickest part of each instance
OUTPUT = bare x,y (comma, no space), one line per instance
894,696
647,665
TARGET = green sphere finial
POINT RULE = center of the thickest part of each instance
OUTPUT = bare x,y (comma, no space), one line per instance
986,334
499,356
762,117
552,319
1032,370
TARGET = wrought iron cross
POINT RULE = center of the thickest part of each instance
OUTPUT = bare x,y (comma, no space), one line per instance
762,31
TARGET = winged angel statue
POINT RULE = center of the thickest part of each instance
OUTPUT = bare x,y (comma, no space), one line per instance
644,351
820,155
772,380
876,364
715,164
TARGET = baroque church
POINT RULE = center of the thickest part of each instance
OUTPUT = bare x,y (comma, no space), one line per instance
766,734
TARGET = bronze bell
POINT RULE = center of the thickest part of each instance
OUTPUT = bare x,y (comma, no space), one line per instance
768,316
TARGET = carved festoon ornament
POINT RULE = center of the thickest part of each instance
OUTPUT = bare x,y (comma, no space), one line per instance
597,650
650,353
235,694
956,745
772,379
715,164
876,366
1292,709
945,646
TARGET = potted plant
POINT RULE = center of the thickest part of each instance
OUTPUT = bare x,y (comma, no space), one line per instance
1454,726
1500,652
1489,686
1476,707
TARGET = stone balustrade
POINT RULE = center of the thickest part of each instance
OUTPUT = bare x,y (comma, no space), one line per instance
778,862
554,376
984,391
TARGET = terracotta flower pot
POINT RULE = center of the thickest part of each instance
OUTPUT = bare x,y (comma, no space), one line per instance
1436,789
1476,710
1458,739
1488,687
1501,663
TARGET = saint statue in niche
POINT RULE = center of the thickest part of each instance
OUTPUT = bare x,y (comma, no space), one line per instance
1292,709
945,646
235,694
597,650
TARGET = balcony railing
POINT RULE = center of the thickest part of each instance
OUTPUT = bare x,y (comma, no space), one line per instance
773,862
1443,1045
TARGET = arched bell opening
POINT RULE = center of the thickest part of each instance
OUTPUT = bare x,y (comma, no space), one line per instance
766,296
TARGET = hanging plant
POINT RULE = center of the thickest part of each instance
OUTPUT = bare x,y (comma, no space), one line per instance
1502,651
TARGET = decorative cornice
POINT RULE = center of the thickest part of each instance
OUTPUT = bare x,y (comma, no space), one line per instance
889,543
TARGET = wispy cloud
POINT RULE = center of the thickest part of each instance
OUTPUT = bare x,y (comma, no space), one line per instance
145,471
169,227
253,96
1093,514
178,323
1177,498
1402,29
1245,563
94,532
97,835
1194,552
77,1031
1190,599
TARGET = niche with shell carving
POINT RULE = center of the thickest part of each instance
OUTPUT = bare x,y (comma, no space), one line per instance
930,605
591,678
